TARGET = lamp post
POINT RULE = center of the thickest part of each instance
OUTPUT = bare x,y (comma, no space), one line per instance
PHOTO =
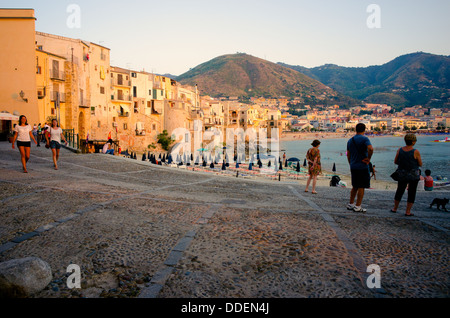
22,95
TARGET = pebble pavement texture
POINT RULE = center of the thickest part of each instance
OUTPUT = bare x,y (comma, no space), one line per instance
141,230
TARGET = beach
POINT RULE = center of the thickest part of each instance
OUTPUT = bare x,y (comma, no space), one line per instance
290,136
140,230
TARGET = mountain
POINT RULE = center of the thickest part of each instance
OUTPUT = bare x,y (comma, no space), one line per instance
245,76
412,79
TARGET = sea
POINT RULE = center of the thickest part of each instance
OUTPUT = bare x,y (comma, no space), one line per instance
435,155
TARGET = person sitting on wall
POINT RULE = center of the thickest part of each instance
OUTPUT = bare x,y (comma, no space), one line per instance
107,148
428,186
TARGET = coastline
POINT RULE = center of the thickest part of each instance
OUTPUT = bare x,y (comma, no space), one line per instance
291,136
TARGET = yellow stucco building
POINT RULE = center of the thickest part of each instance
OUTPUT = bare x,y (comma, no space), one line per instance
51,85
18,65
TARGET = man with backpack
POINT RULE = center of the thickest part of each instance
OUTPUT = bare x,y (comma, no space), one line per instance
359,153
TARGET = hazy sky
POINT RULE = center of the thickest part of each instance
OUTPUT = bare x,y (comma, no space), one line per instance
172,36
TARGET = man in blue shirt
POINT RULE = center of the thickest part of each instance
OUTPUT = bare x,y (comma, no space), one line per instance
359,153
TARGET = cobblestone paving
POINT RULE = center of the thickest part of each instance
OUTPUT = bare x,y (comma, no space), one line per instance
140,230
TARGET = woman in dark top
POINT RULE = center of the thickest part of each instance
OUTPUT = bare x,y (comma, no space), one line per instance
407,159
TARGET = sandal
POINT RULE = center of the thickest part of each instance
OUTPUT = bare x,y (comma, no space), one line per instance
409,214
392,210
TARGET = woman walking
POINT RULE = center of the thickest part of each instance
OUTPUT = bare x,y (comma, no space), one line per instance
409,160
23,134
314,165
53,136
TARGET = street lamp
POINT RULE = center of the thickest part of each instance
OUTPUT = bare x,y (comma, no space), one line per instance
22,95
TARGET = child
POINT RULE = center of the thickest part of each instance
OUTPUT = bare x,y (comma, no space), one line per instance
428,181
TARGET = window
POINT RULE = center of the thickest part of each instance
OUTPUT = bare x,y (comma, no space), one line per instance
93,110
125,126
55,65
99,124
102,90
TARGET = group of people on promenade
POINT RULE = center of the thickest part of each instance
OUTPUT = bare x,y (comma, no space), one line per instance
24,133
359,154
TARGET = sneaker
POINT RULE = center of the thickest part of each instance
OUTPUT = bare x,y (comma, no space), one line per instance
359,209
350,206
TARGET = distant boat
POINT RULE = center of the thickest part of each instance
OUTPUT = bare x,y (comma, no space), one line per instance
442,140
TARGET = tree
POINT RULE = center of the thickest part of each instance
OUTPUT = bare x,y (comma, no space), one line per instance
165,140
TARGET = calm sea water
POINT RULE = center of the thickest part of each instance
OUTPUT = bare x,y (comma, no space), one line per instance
435,155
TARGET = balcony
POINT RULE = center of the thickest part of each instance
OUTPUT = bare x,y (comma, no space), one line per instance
123,114
85,102
62,97
57,75
120,82
121,98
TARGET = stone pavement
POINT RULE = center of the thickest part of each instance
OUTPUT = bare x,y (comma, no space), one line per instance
141,230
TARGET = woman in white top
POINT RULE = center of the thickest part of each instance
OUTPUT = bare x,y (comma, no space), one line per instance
23,135
53,136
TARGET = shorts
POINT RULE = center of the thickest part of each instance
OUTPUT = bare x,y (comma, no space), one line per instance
55,145
26,144
360,178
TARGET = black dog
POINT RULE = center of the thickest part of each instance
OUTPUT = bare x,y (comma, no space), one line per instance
440,202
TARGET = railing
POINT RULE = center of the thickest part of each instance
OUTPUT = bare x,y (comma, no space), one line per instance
62,96
73,139
85,102
117,82
125,98
57,75
123,114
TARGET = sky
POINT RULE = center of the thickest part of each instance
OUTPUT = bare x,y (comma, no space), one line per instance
173,36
